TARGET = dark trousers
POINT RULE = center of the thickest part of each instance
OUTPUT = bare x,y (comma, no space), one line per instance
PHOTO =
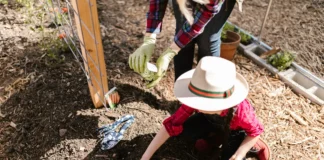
199,127
208,42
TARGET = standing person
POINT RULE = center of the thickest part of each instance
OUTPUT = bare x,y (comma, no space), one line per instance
201,26
215,113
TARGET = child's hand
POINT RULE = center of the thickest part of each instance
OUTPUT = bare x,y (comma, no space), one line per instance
236,157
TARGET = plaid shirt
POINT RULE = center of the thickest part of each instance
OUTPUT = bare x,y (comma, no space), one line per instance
202,15
244,119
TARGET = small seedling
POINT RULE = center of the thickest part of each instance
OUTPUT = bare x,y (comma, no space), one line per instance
281,60
245,39
227,27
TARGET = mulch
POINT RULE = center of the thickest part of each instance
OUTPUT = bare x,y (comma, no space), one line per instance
38,100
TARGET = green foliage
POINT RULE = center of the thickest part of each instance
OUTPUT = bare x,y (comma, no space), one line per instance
281,60
59,17
55,48
227,27
3,1
36,17
245,39
26,3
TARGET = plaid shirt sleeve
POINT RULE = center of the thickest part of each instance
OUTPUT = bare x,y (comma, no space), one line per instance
155,15
173,124
202,15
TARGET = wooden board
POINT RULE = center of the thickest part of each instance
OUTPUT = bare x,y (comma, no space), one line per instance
88,27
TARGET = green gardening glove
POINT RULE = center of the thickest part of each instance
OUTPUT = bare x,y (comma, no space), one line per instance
138,60
162,65
147,75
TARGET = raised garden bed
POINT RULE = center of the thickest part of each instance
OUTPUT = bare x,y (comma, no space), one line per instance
247,40
299,79
304,83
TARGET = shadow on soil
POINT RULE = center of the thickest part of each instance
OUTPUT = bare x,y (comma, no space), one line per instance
174,148
51,104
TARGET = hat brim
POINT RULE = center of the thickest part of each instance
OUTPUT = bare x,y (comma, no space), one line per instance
185,96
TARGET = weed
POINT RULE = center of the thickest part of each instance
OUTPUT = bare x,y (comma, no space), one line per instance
281,60
37,13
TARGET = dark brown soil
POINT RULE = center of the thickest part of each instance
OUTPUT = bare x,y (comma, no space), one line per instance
43,98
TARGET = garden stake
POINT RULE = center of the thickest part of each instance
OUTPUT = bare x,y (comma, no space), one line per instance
264,21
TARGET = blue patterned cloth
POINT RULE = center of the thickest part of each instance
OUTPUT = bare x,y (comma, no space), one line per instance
112,137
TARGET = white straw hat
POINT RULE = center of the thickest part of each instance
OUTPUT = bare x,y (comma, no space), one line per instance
213,86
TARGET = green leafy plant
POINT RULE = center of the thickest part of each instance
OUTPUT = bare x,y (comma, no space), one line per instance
227,27
51,44
55,47
281,60
37,14
3,1
26,3
59,14
245,39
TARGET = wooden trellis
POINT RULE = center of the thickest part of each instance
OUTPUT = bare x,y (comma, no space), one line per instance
86,11
78,20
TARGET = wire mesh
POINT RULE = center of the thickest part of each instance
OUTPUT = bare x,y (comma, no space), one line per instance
65,18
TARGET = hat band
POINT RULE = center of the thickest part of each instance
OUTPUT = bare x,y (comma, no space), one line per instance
210,94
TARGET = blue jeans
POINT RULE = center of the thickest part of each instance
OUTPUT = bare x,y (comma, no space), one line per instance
209,41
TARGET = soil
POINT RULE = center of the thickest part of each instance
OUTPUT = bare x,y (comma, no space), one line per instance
46,110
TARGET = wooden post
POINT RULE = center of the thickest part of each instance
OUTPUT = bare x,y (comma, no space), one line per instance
88,27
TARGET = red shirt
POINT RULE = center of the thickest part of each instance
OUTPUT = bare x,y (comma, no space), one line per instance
202,15
244,118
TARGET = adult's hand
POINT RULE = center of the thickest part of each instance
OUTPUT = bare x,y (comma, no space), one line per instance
162,64
138,60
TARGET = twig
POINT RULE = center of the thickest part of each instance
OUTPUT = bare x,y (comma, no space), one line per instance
297,118
307,119
113,115
270,52
2,115
191,156
319,155
3,156
320,148
302,141
320,121
317,129
139,110
101,156
73,129
245,67
268,82
125,99
294,115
